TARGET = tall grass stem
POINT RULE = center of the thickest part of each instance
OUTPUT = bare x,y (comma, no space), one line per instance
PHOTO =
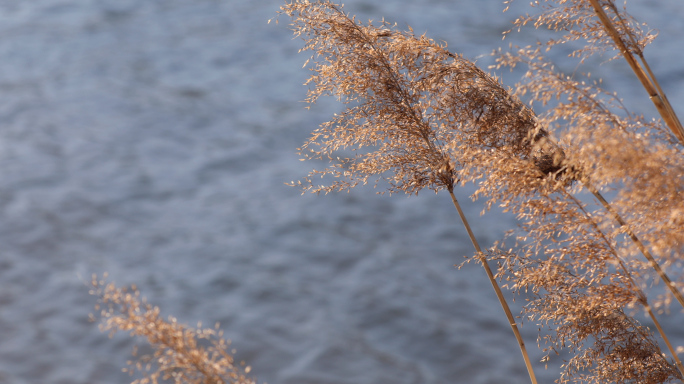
646,78
497,289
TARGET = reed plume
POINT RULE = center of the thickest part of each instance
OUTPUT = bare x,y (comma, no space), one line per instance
607,147
420,117
181,354
574,278
640,160
405,94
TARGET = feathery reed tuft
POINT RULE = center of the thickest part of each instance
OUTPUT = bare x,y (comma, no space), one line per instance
181,354
409,100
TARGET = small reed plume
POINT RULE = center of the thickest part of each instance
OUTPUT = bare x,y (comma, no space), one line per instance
181,354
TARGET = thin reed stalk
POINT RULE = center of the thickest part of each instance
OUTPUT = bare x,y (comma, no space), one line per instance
499,294
646,77
673,352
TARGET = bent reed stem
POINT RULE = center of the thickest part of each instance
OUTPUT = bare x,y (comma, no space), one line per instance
497,289
647,78
665,339
679,129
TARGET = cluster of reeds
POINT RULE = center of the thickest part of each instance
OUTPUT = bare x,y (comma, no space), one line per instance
419,116
181,354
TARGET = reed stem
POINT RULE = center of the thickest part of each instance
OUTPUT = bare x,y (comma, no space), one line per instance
647,78
667,341
497,289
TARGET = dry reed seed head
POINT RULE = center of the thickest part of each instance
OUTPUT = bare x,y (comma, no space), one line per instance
614,149
608,345
180,353
578,22
413,107
570,266
622,352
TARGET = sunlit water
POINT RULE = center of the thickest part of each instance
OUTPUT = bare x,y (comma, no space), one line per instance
152,140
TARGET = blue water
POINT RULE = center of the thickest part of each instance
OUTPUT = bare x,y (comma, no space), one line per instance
152,140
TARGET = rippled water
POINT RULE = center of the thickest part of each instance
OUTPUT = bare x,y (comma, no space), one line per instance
152,140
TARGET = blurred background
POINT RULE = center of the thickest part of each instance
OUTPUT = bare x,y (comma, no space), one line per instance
152,139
